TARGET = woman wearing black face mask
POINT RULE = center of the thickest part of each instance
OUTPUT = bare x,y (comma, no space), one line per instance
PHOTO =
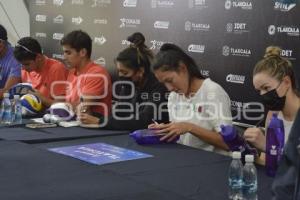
139,96
274,79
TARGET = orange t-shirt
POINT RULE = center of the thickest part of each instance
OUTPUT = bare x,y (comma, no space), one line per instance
93,82
52,71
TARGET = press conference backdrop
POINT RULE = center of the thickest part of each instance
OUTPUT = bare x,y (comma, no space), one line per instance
225,37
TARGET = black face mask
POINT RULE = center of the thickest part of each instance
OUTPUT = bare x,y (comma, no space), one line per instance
272,101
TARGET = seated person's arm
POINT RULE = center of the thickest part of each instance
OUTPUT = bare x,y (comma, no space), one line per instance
218,112
57,86
139,120
256,136
11,81
175,129
46,101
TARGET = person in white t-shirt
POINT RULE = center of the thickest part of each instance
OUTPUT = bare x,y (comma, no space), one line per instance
274,79
197,106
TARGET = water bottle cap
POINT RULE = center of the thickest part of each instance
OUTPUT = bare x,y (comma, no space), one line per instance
16,96
6,95
249,158
275,122
236,155
228,132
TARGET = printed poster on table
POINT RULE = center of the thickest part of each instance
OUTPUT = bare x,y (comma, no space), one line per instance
100,153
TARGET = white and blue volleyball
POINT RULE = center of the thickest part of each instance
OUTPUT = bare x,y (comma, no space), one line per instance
62,110
31,105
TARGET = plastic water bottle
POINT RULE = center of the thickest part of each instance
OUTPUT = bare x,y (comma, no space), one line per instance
249,179
274,144
235,177
6,109
236,142
17,110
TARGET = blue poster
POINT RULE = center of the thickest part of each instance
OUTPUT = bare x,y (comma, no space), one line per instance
100,153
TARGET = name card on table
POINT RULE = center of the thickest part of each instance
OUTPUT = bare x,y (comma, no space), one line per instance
100,153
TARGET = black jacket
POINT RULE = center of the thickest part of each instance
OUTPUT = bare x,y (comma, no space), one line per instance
147,103
284,185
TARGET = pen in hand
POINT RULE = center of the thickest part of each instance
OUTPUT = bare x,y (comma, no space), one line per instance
155,122
83,109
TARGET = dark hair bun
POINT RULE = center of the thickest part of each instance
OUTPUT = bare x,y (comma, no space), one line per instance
137,39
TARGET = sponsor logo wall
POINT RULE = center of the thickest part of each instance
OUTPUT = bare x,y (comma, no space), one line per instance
226,38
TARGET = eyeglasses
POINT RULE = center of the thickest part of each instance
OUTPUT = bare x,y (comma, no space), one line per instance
25,48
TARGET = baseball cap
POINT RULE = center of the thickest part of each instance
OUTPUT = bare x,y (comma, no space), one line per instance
3,33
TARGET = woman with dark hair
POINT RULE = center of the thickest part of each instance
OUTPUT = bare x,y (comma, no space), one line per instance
197,106
140,98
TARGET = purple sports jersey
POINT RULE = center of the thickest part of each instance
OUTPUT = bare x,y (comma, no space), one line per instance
9,66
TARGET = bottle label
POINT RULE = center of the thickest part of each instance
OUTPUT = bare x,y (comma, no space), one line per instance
273,150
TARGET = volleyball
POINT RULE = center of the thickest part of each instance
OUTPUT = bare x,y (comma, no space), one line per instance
31,104
62,110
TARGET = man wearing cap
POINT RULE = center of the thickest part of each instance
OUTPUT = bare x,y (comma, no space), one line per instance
10,69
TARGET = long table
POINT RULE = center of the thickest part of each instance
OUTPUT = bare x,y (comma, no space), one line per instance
30,171
39,135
